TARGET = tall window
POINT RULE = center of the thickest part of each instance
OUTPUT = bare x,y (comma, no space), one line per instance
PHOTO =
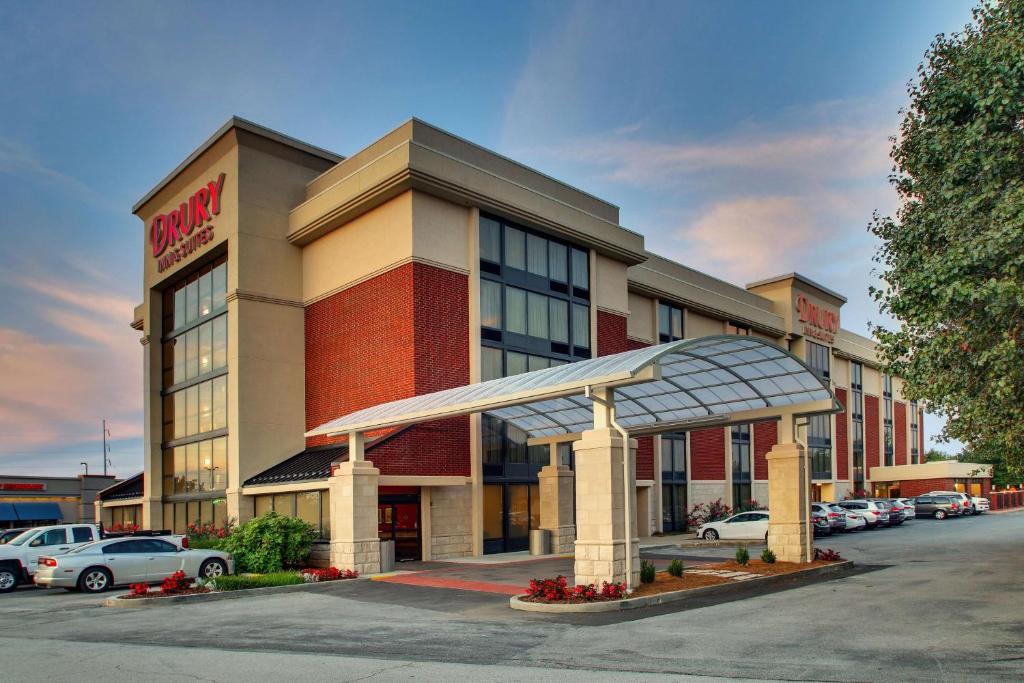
673,482
857,417
818,360
915,452
887,423
195,400
670,322
741,494
819,442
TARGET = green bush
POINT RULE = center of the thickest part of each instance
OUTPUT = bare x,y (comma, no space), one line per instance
646,571
270,543
675,568
767,556
206,543
742,556
237,583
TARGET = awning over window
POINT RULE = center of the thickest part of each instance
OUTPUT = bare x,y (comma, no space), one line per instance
38,512
675,386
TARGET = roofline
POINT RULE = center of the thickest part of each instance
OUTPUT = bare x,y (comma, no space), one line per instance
246,125
800,278
123,481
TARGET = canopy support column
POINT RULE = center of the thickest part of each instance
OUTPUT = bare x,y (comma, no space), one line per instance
789,486
353,489
556,503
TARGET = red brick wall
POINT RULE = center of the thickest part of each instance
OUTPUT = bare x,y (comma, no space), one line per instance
872,425
842,440
919,487
707,454
611,338
766,435
402,333
920,433
899,424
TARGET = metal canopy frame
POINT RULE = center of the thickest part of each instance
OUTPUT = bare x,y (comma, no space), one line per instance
681,385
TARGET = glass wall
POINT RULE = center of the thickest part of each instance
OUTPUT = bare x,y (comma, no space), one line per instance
122,516
741,487
857,418
177,516
818,360
915,438
195,396
887,421
819,431
534,314
312,507
673,482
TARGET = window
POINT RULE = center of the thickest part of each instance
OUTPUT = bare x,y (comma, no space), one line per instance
670,323
51,537
200,466
121,547
818,359
819,443
81,534
887,420
673,457
490,304
915,452
312,507
737,328
490,240
857,416
741,488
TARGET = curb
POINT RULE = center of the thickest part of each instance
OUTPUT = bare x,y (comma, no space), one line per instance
516,602
218,595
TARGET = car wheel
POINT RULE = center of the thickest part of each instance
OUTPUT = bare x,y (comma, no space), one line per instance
711,535
8,579
213,568
94,580
940,514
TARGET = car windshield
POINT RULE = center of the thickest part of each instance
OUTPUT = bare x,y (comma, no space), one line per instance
22,537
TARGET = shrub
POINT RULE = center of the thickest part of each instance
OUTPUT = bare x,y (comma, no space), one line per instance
315,575
748,506
646,571
242,582
828,555
270,543
175,583
675,568
742,556
702,513
613,591
557,590
767,556
209,535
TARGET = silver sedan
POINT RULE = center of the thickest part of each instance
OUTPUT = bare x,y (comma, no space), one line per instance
95,567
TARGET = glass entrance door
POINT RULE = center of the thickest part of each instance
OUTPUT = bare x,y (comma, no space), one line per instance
398,520
510,511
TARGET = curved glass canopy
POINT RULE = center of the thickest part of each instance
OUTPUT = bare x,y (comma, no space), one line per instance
669,387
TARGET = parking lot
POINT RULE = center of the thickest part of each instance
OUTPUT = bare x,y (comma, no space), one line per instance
930,601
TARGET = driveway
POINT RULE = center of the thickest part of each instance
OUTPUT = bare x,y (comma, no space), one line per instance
932,601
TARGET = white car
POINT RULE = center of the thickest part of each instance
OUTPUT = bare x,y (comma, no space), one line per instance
854,519
980,504
750,526
95,567
20,555
908,507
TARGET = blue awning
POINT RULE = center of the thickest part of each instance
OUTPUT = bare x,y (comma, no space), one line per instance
7,513
37,512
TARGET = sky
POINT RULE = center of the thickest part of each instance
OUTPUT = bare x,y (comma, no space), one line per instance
743,139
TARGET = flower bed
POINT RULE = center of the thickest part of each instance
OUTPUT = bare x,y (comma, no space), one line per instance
314,575
175,584
557,590
179,584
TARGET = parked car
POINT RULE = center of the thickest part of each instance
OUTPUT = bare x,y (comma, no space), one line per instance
854,520
751,526
821,523
902,510
96,567
895,516
873,513
966,504
938,507
836,520
980,504
10,534
908,507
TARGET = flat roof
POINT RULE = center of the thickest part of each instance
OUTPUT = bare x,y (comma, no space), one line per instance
800,278
246,125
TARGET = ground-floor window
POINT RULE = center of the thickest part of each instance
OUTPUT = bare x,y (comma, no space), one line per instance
123,515
673,482
886,489
673,507
179,515
742,496
511,510
312,507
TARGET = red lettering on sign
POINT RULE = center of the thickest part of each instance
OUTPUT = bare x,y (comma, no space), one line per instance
172,232
819,319
21,486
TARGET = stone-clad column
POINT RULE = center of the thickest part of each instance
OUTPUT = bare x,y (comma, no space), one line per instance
556,505
789,530
354,540
601,539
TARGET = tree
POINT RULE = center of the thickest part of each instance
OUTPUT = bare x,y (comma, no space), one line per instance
952,259
935,455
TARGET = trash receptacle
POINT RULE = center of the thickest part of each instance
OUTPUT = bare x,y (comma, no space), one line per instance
387,556
540,542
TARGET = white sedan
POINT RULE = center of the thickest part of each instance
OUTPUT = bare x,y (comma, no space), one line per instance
752,526
95,567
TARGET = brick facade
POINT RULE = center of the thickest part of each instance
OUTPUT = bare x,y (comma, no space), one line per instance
917,487
842,439
920,434
402,333
707,454
899,423
766,435
611,339
872,427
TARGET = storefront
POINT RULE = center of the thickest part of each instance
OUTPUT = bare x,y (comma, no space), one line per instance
285,286
38,501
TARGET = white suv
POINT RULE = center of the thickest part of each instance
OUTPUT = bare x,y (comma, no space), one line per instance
971,505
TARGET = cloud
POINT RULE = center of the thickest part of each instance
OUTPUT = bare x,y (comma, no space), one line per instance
18,159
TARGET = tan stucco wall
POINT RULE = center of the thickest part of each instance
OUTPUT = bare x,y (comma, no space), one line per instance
440,231
840,372
641,323
698,325
610,292
872,382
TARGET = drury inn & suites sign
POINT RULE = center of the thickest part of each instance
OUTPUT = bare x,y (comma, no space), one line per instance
178,234
819,322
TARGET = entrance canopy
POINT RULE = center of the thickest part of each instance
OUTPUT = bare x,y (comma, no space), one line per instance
723,379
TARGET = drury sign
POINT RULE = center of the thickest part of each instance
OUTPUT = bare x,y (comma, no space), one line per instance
177,234
819,322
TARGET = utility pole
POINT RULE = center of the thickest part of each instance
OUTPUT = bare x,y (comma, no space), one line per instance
106,448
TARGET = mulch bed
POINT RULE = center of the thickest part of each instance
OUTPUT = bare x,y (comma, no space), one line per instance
157,594
759,567
570,601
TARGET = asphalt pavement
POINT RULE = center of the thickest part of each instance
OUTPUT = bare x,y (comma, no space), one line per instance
930,601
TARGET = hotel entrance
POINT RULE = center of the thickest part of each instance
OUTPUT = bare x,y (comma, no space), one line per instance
510,511
398,520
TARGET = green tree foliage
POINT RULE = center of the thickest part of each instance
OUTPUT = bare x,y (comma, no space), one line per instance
935,455
270,543
1001,475
953,256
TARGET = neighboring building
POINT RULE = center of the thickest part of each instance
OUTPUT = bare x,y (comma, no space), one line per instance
285,286
35,501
